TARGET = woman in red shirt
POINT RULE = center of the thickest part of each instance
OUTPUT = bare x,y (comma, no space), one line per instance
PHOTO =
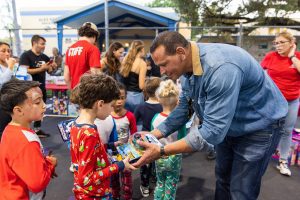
283,66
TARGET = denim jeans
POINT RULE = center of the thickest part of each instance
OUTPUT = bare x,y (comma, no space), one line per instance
290,121
133,99
242,161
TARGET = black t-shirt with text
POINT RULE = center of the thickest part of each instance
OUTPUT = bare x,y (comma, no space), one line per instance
28,58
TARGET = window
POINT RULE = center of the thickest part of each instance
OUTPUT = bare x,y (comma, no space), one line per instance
263,46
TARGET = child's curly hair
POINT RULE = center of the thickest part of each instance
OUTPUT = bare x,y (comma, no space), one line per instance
94,87
167,93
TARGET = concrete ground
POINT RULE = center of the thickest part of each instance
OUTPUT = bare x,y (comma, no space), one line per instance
197,180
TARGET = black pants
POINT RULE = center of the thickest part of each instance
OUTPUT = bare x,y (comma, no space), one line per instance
4,120
146,171
38,124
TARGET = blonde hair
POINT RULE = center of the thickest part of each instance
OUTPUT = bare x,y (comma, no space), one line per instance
286,35
167,93
135,48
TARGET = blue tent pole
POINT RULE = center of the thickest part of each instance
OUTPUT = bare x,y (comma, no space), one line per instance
60,37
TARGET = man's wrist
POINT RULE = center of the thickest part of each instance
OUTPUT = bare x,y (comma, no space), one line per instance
157,133
162,151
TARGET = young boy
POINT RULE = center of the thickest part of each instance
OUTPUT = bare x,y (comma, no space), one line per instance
145,112
24,171
92,169
126,126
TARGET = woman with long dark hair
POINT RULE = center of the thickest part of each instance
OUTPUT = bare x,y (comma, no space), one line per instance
111,63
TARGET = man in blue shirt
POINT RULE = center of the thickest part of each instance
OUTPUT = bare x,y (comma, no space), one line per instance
241,110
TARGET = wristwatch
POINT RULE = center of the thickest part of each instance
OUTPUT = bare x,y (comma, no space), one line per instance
162,151
291,57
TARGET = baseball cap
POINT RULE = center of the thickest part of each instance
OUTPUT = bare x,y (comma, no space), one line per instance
93,26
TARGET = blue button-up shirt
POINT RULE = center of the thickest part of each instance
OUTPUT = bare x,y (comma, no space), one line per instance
233,96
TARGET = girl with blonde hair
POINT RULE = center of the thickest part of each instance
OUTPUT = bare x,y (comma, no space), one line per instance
167,168
133,72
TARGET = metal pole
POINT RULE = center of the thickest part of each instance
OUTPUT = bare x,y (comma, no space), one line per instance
106,25
10,38
17,29
240,38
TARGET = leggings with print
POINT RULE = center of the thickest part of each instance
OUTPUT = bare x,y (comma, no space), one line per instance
167,174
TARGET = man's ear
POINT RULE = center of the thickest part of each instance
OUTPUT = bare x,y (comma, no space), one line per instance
181,52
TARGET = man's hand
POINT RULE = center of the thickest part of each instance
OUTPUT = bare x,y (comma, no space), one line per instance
46,66
152,152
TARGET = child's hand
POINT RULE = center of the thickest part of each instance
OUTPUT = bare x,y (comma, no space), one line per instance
118,143
52,160
128,166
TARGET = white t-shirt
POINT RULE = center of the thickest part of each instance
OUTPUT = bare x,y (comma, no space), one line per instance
105,128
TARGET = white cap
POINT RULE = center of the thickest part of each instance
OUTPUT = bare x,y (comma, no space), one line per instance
93,26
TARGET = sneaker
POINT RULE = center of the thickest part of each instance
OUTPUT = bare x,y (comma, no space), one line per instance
72,168
283,168
144,191
42,134
211,155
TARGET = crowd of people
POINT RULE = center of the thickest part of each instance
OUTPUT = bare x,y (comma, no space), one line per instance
245,110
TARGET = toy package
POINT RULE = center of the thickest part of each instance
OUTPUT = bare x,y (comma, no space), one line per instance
65,128
133,149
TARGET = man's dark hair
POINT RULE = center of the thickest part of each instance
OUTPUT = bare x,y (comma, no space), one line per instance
13,93
170,40
36,38
87,31
94,87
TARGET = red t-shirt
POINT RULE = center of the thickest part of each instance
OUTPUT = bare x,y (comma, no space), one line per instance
80,57
92,167
24,172
283,73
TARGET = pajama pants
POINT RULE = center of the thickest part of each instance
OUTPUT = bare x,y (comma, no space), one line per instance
126,181
167,173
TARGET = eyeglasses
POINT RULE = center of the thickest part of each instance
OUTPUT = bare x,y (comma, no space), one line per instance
279,43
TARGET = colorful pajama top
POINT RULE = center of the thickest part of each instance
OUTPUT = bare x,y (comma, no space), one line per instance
92,167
